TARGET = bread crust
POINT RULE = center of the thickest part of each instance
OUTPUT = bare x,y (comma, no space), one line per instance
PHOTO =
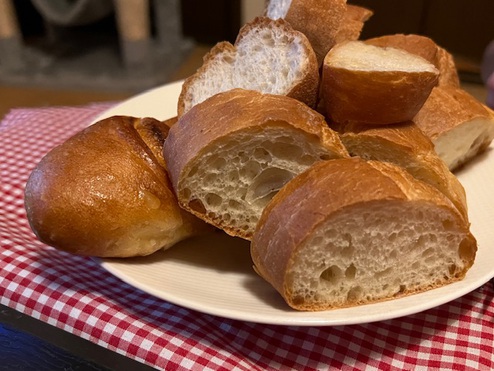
446,108
209,122
314,196
426,48
405,145
373,97
353,23
304,89
450,110
319,20
104,192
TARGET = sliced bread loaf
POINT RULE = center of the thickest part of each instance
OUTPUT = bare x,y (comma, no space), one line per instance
230,154
457,123
348,232
405,145
268,56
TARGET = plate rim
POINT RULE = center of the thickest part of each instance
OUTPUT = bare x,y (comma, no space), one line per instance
295,318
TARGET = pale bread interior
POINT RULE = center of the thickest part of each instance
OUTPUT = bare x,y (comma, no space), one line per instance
370,253
267,59
457,146
278,8
234,179
356,55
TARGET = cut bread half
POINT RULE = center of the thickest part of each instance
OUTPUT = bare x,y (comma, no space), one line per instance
105,192
268,56
374,85
319,20
405,145
427,49
348,232
457,123
230,154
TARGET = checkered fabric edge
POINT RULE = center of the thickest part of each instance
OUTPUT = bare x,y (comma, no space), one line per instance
77,295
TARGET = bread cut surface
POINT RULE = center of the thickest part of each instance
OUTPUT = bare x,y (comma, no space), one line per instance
458,124
349,232
268,56
405,145
426,48
374,85
105,192
231,153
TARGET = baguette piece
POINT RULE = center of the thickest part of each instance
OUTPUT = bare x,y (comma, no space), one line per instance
348,232
426,48
268,56
405,145
230,154
104,192
353,23
374,85
319,20
457,123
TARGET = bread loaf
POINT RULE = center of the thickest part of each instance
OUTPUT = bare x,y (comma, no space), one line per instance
457,123
349,232
319,20
374,85
105,192
228,155
405,145
268,56
426,48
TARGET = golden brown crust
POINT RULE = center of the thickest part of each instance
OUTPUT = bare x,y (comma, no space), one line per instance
312,197
353,23
407,146
209,122
373,97
104,193
319,20
446,108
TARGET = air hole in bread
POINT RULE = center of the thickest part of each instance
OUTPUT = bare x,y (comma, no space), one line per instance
386,272
351,272
197,206
332,274
267,184
213,200
354,294
262,154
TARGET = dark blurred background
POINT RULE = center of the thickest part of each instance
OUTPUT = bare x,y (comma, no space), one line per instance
112,49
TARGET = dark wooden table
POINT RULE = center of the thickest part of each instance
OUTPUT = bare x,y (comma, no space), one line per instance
29,344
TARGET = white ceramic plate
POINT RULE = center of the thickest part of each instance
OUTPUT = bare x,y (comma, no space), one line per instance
214,274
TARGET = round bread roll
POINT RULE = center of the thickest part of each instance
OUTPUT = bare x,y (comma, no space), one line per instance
348,232
374,85
104,192
228,155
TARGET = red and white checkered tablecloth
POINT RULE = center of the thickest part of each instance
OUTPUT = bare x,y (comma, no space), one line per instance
77,295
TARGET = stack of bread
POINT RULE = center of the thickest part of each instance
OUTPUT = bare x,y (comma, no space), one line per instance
332,155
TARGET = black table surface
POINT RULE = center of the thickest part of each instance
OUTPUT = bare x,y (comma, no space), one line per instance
29,344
